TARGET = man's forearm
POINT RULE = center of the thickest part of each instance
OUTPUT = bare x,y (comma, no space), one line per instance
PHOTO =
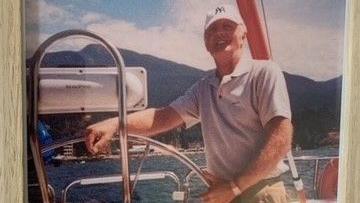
143,123
279,136
153,121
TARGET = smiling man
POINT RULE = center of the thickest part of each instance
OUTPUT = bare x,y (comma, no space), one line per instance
244,110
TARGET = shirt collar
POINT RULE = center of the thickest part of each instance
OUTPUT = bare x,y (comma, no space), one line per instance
241,68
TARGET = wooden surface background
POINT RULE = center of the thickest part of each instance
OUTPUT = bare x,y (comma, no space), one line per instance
12,99
349,178
12,111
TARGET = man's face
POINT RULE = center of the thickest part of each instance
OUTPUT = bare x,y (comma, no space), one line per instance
224,38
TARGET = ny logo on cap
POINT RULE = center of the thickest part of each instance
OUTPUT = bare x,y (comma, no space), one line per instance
219,10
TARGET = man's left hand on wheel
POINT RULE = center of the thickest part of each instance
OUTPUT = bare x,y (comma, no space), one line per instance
218,193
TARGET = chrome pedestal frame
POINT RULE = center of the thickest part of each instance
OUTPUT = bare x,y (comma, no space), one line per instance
33,107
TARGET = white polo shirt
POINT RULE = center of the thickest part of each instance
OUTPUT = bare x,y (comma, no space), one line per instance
233,113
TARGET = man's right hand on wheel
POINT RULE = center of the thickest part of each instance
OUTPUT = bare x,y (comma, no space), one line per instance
98,136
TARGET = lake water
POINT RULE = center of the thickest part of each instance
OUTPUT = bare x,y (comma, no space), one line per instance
159,190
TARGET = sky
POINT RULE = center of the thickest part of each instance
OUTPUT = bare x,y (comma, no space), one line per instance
306,36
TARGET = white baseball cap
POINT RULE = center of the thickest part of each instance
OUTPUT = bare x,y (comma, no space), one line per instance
223,12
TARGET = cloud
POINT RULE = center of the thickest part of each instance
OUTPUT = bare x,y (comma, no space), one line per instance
41,13
92,17
40,17
190,15
315,53
179,40
309,40
172,43
301,44
33,40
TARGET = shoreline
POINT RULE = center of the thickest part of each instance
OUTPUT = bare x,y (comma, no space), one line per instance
300,155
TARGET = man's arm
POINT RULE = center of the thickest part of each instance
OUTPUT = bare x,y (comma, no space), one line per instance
278,132
152,121
279,136
148,122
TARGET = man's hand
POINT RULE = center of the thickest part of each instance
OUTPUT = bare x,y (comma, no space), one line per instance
219,193
98,136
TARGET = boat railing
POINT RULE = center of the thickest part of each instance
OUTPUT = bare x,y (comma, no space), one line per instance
316,160
164,148
177,195
183,192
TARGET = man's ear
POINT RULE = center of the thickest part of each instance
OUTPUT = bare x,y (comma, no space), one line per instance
243,39
244,36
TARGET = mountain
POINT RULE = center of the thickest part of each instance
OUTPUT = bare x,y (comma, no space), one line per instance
315,105
315,108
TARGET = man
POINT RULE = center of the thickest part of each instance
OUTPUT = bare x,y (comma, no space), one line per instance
244,110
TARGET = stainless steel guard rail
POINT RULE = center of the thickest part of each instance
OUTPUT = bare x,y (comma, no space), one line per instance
118,178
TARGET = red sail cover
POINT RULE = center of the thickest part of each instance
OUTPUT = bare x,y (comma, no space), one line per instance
256,35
